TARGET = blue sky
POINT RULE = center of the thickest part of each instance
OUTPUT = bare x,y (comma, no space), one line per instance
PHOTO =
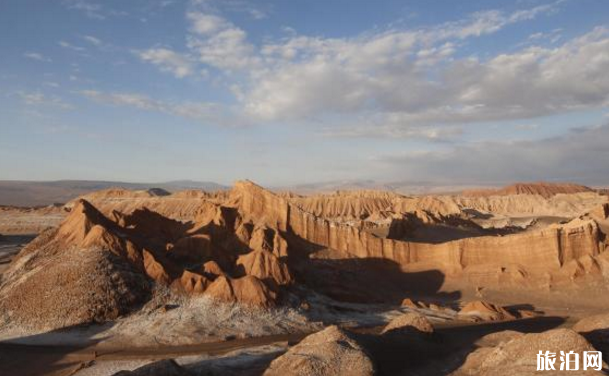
286,92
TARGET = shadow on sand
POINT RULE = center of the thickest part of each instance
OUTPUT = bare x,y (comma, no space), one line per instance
43,354
443,352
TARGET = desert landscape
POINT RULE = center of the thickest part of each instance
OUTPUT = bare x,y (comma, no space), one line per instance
248,281
304,188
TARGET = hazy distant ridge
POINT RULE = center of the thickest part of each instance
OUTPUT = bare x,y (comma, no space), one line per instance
33,193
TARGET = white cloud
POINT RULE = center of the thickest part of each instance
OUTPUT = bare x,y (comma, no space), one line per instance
206,24
388,74
37,56
207,112
39,99
580,156
168,61
397,82
70,46
91,9
257,11
218,43
93,40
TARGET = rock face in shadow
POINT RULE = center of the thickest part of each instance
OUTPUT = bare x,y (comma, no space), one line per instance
329,352
595,329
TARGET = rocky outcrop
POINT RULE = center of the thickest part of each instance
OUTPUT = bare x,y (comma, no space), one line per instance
346,206
248,290
155,269
93,269
518,356
329,352
407,324
533,259
485,311
53,288
194,282
542,251
595,329
265,266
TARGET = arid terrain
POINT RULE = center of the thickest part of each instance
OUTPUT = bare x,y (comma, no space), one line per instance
248,281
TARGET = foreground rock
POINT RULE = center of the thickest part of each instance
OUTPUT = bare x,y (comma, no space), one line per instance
329,352
162,368
518,354
408,323
595,329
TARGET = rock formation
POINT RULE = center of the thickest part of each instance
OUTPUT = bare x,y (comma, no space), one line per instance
518,354
329,352
249,245
595,329
485,311
408,323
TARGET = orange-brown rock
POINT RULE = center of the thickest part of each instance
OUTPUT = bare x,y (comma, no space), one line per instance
595,328
346,205
193,282
212,270
601,212
83,217
408,323
518,356
259,205
265,266
331,351
155,269
248,290
409,303
485,311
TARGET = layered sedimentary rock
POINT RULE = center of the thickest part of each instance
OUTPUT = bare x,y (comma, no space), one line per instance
18,220
488,259
181,205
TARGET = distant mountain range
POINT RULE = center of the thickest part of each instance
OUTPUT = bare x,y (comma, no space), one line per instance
40,193
35,193
402,187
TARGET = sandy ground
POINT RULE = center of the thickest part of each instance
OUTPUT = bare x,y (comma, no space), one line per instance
250,356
